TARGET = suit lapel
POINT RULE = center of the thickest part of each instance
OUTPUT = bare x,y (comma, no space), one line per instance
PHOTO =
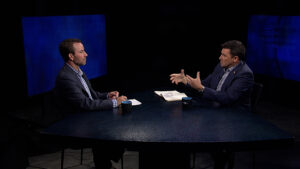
86,80
75,77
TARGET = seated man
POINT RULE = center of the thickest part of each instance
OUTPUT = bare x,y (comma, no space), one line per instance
75,94
230,84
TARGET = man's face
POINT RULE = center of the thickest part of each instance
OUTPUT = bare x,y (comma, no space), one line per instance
226,59
79,56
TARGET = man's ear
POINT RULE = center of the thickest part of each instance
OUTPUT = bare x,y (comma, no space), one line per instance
236,58
71,56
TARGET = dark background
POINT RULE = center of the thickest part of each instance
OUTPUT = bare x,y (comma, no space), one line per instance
146,41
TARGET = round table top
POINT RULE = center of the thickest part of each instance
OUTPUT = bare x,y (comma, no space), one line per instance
159,122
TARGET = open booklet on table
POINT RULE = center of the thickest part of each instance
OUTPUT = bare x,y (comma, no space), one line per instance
171,95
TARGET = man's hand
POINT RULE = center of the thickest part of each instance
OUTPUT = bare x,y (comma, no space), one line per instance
195,82
120,99
113,94
178,77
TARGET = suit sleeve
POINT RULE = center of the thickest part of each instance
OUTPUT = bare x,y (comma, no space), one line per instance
239,87
73,94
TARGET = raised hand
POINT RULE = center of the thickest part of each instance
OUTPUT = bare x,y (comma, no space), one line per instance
195,82
178,77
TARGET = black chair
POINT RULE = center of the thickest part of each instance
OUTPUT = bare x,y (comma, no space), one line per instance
63,154
52,114
255,96
81,158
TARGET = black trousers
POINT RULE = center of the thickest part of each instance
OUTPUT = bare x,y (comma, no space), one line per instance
164,160
103,154
223,160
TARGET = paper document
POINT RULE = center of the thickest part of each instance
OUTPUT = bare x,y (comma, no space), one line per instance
135,102
172,95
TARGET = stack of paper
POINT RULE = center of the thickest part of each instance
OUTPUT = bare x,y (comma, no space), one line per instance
172,95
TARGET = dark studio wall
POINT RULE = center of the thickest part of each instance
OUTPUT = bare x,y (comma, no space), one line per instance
146,41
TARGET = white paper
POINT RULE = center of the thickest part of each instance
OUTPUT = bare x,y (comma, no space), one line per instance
135,102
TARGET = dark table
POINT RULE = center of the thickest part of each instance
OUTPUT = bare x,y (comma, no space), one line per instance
160,124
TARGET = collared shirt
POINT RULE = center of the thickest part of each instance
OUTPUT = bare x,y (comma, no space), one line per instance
83,82
225,75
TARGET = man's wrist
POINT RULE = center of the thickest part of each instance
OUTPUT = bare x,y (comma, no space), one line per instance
201,89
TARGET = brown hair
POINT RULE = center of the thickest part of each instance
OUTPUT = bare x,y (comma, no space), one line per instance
236,48
66,47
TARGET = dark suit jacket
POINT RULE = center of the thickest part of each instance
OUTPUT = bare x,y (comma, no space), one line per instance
72,97
235,90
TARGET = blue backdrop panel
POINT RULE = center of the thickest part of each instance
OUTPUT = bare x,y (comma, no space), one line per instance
42,36
273,46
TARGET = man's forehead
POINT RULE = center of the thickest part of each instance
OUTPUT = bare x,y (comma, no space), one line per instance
78,45
225,51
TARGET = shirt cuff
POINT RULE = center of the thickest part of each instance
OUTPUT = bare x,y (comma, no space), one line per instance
202,89
115,103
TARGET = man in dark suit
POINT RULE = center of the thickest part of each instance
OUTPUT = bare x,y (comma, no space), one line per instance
75,94
230,84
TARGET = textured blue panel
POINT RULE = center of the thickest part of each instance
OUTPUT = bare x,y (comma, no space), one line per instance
42,36
273,46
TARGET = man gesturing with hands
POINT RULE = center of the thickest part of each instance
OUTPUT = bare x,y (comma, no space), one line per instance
230,83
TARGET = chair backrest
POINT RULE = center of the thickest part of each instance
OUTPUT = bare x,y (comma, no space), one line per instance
50,112
255,95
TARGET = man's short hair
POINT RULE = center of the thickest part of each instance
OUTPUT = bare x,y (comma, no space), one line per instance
236,47
66,47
